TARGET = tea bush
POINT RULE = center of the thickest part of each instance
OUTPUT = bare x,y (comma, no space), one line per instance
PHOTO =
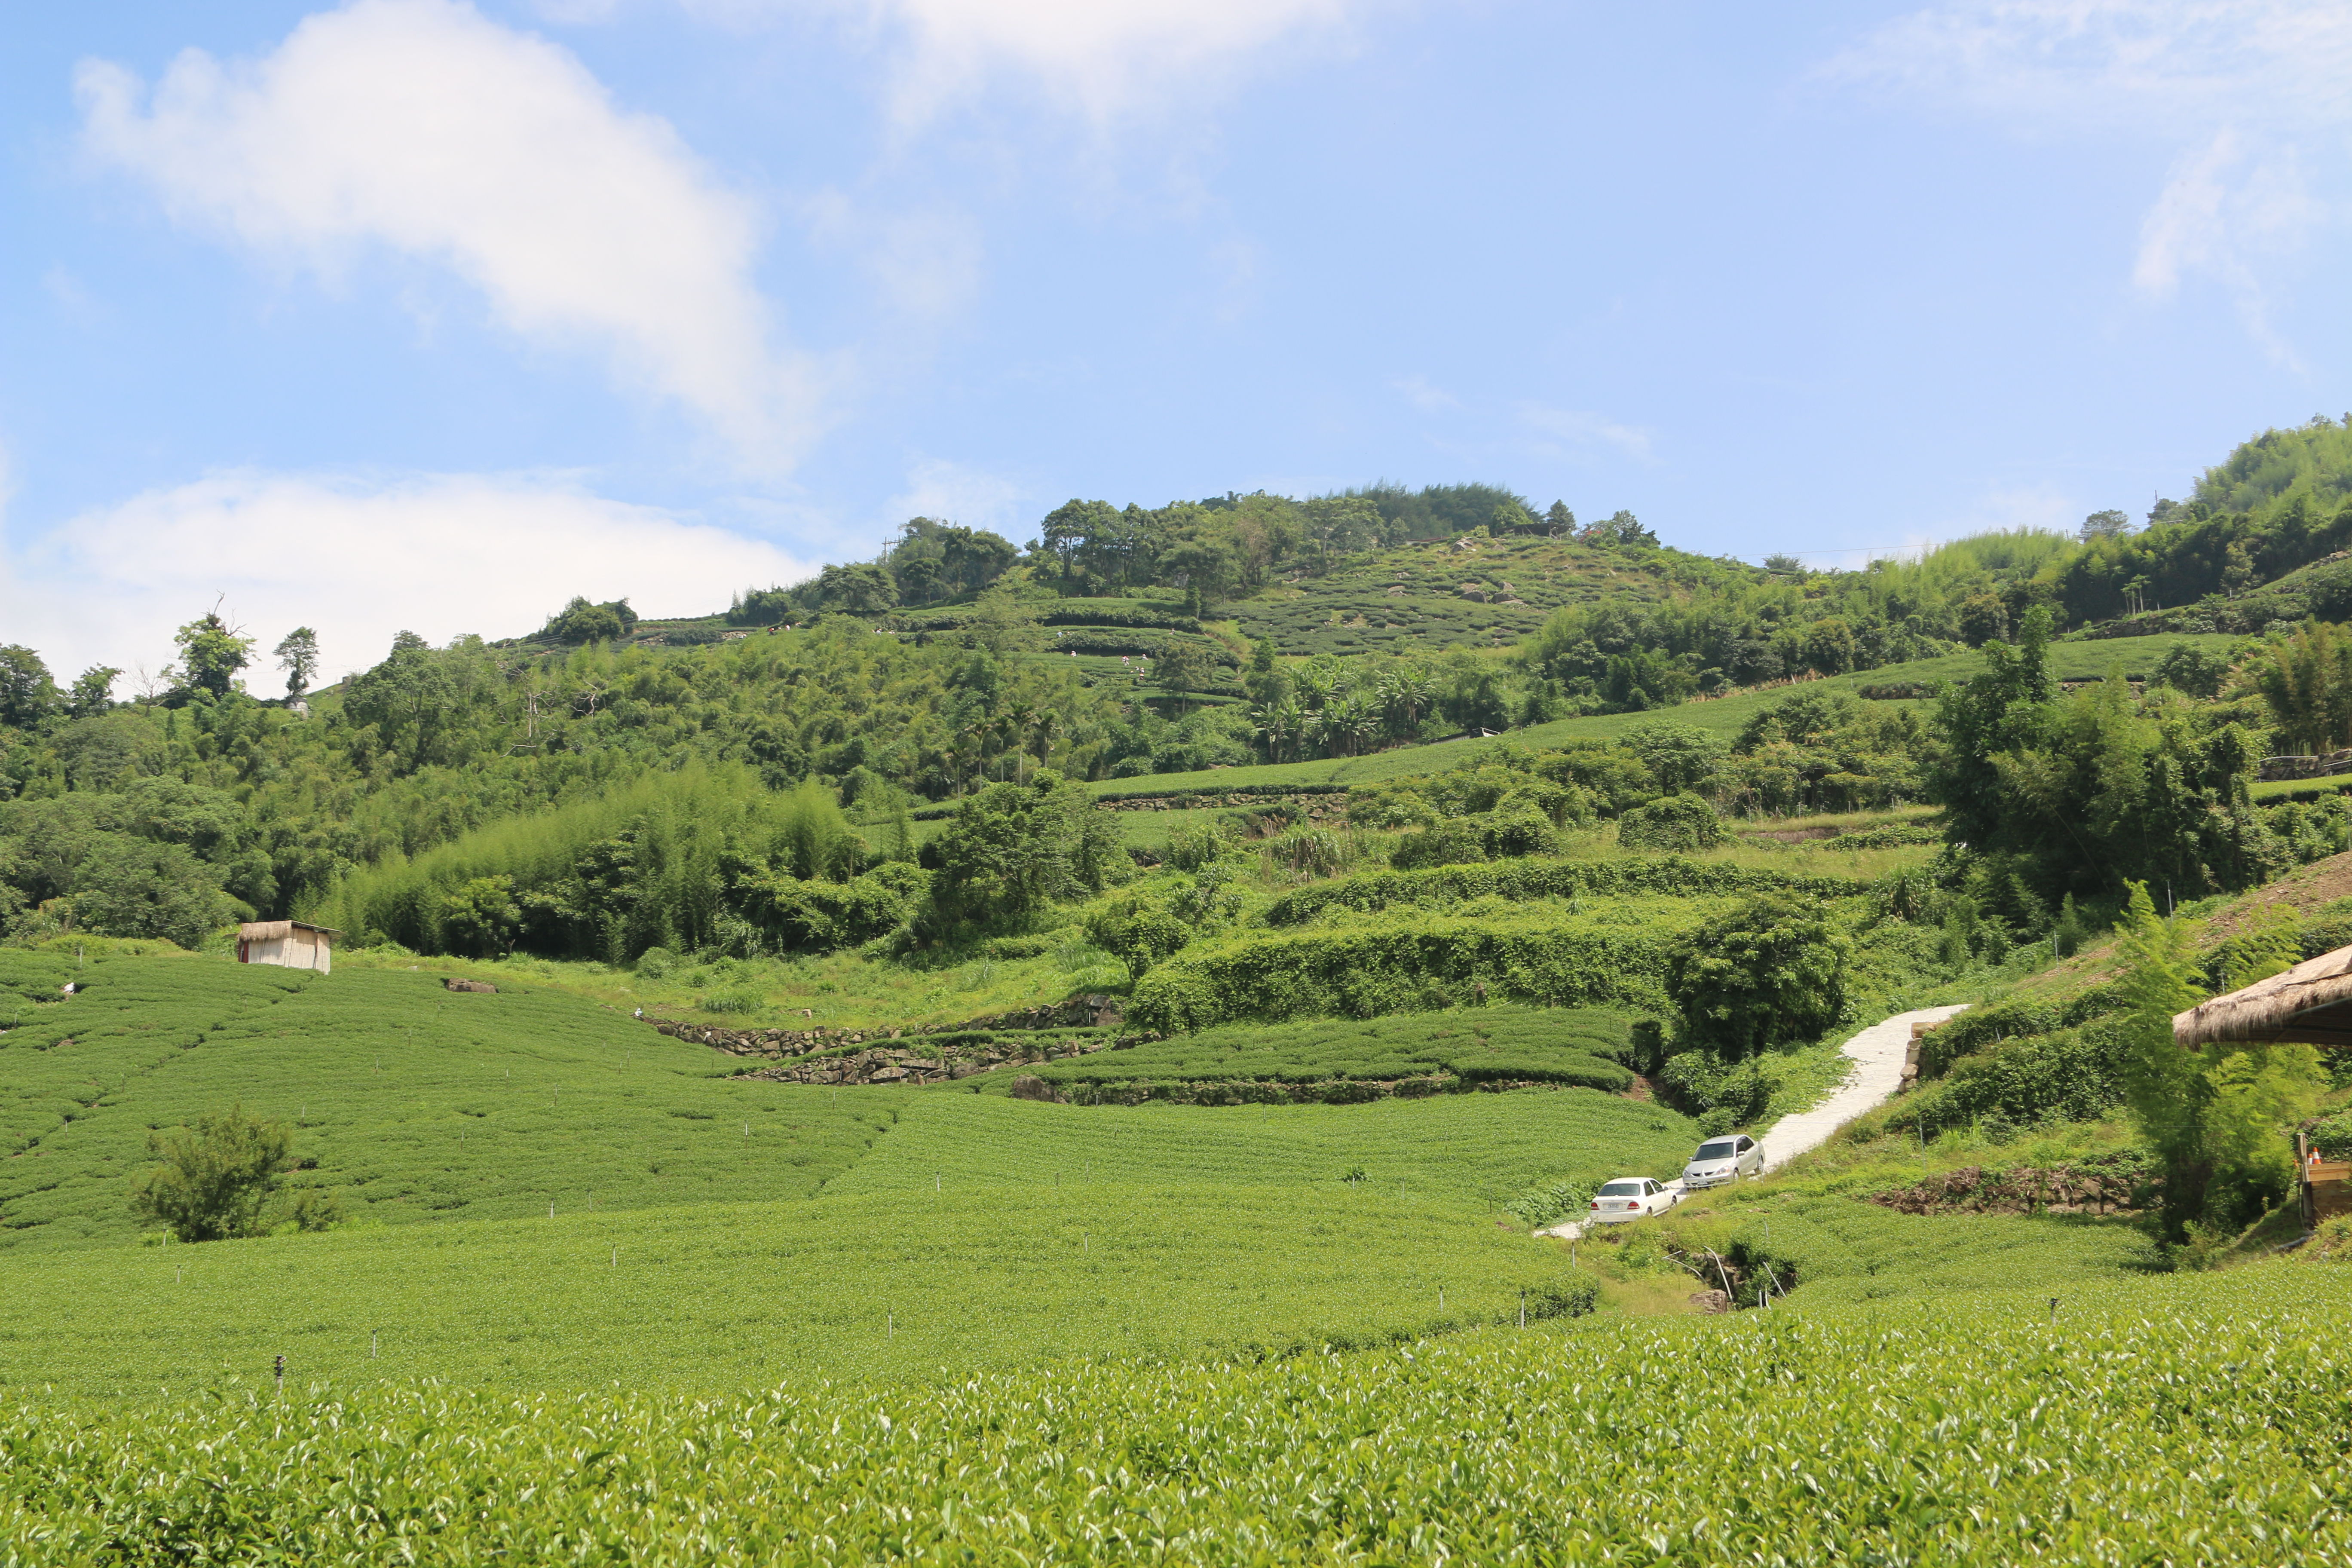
2199,1420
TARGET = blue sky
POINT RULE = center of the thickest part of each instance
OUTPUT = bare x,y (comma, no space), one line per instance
419,313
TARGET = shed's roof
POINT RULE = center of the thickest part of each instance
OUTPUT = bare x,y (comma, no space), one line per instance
270,931
2312,1002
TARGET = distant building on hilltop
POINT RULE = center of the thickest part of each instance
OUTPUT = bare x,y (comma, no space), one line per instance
290,944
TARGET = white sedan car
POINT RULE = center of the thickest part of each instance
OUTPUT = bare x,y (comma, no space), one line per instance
1723,1159
1630,1198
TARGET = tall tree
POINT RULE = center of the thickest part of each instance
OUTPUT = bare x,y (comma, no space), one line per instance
93,691
212,652
27,695
297,654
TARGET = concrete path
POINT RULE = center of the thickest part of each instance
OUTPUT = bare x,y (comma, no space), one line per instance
1877,1056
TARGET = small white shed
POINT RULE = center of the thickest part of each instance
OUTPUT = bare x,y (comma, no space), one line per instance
290,944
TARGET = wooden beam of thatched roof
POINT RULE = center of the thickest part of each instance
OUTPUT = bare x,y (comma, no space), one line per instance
2311,1003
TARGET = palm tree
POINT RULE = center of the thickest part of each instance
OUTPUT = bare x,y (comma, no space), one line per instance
1045,724
1271,725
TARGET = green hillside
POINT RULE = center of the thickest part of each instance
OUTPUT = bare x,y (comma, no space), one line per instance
1318,899
416,1103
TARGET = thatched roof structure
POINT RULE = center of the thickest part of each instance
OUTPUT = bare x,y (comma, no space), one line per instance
2311,1003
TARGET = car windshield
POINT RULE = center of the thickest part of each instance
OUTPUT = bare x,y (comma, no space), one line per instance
1622,1190
1714,1151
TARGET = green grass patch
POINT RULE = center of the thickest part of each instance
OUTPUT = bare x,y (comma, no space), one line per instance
1473,1153
898,1282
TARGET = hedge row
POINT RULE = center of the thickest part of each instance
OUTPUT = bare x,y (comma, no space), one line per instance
2072,1074
1607,1077
1126,619
1670,874
1981,1028
1221,795
1400,968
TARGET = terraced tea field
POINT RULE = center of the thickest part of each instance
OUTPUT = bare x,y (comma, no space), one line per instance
1483,1045
1438,594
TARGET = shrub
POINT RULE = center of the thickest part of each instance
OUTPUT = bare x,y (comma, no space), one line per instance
1724,1094
1139,934
1676,823
1401,967
1313,853
742,999
216,1177
1769,972
1191,846
1446,844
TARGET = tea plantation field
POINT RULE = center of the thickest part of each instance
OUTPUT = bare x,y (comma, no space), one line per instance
1471,1152
1483,1044
710,1229
2199,1418
898,1282
414,1101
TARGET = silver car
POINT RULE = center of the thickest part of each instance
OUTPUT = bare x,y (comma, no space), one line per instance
1724,1159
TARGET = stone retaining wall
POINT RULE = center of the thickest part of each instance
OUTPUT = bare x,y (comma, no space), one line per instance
817,1054
1078,1013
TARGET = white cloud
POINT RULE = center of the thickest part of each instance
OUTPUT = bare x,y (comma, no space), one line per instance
1578,429
1104,58
957,493
2147,64
421,126
925,264
2245,89
1425,394
2222,214
360,559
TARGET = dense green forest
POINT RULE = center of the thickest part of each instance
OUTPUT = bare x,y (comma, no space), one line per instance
605,785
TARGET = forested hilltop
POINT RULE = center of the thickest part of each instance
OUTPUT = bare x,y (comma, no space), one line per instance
608,784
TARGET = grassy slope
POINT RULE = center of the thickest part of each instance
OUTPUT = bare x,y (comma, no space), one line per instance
993,1230
1471,1152
414,1101
1721,716
982,1231
896,1283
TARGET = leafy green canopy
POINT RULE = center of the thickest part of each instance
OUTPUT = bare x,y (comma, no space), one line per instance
1770,972
703,858
237,807
2080,794
1011,849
